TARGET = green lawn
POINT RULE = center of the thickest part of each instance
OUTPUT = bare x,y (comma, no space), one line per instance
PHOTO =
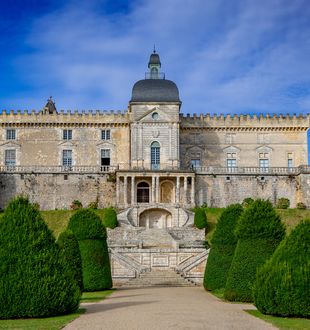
283,323
95,296
49,323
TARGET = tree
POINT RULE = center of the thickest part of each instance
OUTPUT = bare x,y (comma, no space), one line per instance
259,231
91,235
35,280
200,218
110,218
223,244
70,248
282,285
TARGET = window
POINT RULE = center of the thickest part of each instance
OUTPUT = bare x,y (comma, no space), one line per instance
11,134
195,163
230,138
67,157
105,157
264,163
10,157
231,161
155,115
290,160
67,134
143,192
106,134
155,156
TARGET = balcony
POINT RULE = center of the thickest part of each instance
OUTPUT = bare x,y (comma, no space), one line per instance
57,169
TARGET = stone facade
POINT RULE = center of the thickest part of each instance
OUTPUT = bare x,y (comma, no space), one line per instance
153,164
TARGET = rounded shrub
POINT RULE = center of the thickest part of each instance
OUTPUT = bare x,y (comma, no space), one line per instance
282,285
301,206
35,280
283,203
259,231
247,202
110,218
91,235
223,244
200,218
70,248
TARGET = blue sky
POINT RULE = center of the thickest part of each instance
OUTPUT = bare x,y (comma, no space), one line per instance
241,56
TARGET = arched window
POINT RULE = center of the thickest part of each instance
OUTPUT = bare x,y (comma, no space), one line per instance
155,156
143,192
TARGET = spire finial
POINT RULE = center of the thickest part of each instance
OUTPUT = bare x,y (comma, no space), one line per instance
154,51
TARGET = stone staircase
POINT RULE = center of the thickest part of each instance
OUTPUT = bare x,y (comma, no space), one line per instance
158,238
159,278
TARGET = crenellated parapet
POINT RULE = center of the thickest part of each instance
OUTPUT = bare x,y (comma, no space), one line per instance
64,118
245,122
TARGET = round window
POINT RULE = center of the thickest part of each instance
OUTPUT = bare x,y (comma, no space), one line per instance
155,115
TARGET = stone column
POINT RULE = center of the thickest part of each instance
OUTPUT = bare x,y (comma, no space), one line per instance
117,190
193,191
125,190
185,190
133,190
177,193
157,189
153,189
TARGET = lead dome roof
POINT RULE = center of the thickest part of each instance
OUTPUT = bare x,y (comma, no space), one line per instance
156,89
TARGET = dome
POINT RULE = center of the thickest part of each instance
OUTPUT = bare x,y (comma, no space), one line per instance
155,90
154,59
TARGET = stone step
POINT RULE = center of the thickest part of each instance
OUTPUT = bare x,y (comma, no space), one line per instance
159,278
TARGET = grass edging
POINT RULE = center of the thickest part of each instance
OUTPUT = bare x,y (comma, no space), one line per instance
48,323
95,296
283,323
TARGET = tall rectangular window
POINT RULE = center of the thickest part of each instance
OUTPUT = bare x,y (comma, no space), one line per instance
10,157
264,163
11,134
195,163
105,134
105,157
67,134
231,161
67,157
290,160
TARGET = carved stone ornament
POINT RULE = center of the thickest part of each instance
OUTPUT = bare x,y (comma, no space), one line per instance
155,133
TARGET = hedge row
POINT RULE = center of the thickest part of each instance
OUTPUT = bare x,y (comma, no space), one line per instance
282,285
223,246
259,231
91,234
35,280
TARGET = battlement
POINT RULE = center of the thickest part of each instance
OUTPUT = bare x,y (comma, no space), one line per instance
238,121
64,116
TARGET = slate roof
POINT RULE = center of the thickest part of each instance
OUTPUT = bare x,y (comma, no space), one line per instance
155,90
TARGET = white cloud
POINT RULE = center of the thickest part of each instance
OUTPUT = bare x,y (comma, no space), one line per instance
225,56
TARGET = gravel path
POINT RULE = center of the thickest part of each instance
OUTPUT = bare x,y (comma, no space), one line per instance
166,308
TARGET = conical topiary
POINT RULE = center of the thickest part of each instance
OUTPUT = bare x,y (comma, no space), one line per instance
200,218
70,248
91,235
35,280
223,244
259,231
282,285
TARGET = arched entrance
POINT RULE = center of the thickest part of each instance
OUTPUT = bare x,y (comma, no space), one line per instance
143,192
167,192
155,218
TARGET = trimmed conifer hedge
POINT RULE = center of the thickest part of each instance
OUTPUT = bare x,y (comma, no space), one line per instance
110,218
259,231
35,280
200,218
282,285
91,235
70,248
223,244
